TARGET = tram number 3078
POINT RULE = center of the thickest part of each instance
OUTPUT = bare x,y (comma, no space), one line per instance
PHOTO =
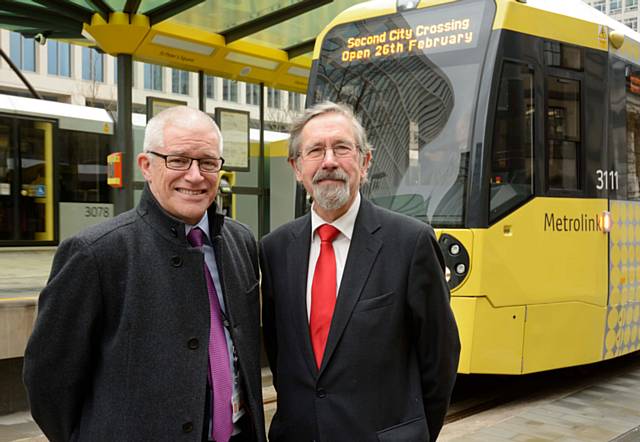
96,212
607,179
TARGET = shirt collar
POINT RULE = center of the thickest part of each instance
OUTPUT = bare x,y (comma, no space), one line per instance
344,224
203,224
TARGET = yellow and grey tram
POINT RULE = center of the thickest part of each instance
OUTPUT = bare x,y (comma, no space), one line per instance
513,127
52,169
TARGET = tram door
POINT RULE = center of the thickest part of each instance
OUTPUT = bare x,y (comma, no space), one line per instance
26,181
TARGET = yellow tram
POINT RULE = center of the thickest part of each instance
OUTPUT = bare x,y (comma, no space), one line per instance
513,127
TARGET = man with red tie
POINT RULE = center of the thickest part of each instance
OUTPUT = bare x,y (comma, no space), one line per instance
358,328
148,328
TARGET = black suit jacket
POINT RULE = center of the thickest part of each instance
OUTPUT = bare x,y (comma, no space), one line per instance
392,353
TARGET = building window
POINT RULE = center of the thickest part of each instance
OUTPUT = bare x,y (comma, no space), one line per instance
230,90
632,23
600,5
23,52
273,98
59,58
179,82
296,101
210,86
253,94
152,77
92,65
631,5
615,6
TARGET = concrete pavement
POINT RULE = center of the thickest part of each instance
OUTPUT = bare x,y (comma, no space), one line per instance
606,411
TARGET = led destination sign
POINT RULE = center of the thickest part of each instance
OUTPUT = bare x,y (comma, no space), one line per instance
427,31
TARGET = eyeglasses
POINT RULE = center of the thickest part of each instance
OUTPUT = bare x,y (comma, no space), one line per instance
317,153
178,162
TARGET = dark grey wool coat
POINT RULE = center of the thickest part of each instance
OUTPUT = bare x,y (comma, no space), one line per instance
119,348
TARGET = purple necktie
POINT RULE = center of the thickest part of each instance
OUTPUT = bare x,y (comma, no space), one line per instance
219,367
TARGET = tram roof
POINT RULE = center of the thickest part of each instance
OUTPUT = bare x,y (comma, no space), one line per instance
69,116
90,119
256,41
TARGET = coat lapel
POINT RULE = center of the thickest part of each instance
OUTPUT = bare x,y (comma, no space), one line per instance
297,267
362,254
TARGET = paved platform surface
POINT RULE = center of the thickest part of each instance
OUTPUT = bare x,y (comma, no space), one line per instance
606,411
24,271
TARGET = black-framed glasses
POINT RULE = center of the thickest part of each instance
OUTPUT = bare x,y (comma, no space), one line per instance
317,153
179,162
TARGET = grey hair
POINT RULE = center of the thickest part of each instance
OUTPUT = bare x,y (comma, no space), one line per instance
323,108
183,117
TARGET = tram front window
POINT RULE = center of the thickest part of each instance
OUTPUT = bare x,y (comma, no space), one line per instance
412,79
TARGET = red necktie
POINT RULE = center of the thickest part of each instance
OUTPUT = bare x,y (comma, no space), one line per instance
323,291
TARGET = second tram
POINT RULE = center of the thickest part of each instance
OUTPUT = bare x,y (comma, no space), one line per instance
513,127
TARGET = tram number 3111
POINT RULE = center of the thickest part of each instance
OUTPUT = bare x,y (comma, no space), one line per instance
607,179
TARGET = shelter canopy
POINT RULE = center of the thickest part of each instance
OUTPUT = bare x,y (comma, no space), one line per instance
266,41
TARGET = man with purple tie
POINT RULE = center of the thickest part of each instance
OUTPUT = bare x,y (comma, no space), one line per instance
148,328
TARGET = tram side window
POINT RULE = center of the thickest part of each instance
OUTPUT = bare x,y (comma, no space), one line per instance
82,160
563,133
512,156
633,136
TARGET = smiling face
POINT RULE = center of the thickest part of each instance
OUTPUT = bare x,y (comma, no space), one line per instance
332,181
185,194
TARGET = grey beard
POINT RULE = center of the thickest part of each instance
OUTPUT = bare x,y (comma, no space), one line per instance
334,196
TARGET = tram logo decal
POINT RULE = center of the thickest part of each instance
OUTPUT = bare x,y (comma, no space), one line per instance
582,223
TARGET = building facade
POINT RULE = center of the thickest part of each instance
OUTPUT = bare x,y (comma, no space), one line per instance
625,11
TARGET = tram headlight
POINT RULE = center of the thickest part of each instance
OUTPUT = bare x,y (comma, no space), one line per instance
605,222
456,260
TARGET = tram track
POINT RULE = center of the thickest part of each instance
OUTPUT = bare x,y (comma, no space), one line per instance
474,407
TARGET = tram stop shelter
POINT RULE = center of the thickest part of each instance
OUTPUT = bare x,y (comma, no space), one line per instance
269,42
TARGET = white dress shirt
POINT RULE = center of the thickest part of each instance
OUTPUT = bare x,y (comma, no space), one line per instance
341,244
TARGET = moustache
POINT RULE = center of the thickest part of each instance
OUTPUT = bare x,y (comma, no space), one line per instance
337,175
